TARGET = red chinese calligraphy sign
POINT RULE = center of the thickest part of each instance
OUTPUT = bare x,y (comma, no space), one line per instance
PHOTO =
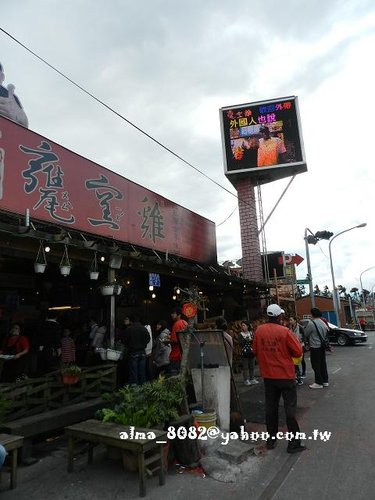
61,187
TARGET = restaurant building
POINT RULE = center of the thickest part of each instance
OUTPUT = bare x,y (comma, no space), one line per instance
69,226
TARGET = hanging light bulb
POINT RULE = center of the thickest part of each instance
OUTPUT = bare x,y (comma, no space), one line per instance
174,297
47,249
151,288
178,291
153,295
102,258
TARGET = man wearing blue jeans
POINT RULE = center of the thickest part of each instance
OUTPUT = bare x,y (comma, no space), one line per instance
136,338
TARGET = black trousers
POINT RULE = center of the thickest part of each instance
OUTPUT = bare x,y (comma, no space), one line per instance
274,388
319,364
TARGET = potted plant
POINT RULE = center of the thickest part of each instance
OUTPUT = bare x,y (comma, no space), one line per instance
65,265
71,374
94,271
115,351
40,262
111,289
151,405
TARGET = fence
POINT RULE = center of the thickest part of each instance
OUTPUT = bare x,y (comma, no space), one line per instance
39,395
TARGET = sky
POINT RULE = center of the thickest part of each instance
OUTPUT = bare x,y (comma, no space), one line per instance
169,66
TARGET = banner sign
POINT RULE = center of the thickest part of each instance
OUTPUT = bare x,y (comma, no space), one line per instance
262,140
61,187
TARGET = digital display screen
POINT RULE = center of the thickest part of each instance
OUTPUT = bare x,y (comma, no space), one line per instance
262,136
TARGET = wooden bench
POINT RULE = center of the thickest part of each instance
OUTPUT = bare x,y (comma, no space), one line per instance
11,444
51,421
146,450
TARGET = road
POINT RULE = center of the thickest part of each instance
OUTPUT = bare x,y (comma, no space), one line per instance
340,468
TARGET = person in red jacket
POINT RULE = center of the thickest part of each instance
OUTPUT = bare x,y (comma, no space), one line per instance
16,347
175,356
274,346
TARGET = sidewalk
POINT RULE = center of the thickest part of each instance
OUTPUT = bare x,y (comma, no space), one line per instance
106,479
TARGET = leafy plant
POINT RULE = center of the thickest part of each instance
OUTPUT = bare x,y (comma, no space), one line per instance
71,370
151,404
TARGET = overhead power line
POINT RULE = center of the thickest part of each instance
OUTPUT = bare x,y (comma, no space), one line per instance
117,113
130,123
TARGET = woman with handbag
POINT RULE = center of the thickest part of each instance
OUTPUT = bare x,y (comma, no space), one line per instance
245,341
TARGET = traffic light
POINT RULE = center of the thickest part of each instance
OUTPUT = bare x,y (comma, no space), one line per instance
312,239
323,235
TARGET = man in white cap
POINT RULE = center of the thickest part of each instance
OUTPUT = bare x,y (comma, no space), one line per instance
274,346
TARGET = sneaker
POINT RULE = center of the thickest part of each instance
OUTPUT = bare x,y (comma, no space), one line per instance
254,381
315,386
271,443
299,382
247,382
325,384
296,449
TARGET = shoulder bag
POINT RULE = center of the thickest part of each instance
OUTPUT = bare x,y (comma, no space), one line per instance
325,342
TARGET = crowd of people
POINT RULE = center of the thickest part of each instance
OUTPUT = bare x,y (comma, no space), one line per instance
277,345
149,352
55,343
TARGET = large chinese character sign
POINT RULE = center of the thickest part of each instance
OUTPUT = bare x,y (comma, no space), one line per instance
262,140
61,187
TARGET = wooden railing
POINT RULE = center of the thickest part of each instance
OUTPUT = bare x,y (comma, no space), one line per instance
38,395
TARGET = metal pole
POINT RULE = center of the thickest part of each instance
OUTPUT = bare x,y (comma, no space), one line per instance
112,311
360,280
274,208
309,275
276,286
202,374
334,286
333,274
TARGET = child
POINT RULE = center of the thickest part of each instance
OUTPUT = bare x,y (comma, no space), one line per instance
68,348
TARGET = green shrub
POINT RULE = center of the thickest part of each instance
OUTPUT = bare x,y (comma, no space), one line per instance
151,404
71,370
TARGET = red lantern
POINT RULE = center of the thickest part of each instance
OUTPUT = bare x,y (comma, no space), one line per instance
189,310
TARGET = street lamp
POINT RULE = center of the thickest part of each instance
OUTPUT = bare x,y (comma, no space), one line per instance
373,300
360,280
335,302
313,239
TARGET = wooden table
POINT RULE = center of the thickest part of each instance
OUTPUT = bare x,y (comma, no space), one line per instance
108,433
11,444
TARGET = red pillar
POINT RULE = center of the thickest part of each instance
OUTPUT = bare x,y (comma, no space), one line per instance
251,258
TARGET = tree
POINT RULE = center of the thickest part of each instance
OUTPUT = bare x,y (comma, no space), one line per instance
354,294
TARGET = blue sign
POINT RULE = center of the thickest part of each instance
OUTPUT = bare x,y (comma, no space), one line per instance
154,279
